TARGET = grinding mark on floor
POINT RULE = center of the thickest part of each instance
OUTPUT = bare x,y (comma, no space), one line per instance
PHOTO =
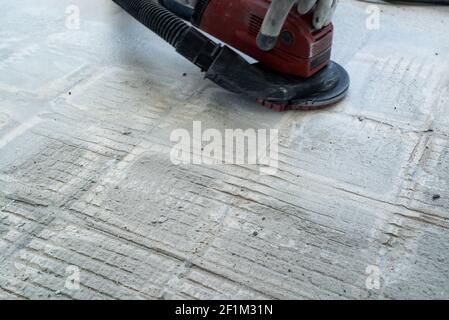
97,189
429,181
19,130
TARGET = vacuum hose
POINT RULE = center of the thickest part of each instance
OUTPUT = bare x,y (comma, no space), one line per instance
188,41
158,19
181,10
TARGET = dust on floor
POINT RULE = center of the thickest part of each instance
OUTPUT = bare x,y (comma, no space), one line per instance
359,207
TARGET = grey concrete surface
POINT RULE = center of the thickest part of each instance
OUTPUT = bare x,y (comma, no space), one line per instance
86,180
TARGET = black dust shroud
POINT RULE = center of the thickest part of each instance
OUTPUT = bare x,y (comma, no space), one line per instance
232,72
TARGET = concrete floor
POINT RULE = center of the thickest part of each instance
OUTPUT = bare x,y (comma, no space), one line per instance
86,183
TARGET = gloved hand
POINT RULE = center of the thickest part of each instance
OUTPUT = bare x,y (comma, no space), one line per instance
277,14
280,9
322,17
324,11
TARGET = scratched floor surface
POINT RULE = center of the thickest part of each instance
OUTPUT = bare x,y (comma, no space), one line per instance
86,181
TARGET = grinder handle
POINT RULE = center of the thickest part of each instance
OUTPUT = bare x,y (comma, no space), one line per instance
273,22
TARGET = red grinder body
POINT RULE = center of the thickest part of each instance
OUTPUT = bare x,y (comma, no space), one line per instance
300,50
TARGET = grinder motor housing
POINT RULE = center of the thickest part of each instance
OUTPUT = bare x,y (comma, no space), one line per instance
300,50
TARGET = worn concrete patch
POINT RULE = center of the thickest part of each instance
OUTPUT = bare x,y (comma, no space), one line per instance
27,64
430,183
325,144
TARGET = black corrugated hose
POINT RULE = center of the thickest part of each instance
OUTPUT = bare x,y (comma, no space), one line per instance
158,19
181,10
188,41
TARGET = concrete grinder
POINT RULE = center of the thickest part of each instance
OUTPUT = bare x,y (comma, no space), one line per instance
293,72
